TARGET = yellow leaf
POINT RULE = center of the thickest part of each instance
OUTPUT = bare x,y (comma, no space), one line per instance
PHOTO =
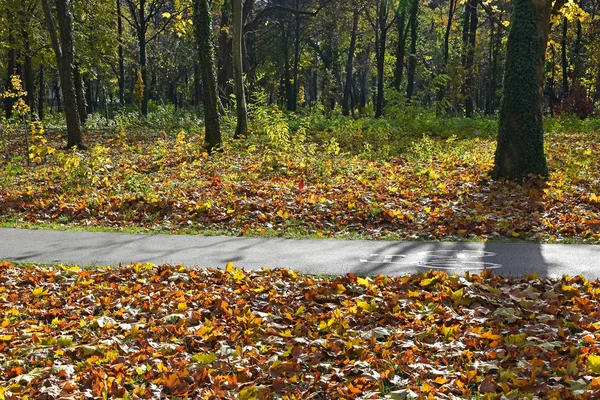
429,281
182,306
249,393
40,291
166,15
204,358
339,289
594,364
6,338
300,311
491,336
285,333
440,380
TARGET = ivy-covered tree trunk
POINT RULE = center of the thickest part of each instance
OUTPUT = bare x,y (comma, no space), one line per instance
241,129
64,55
520,149
204,42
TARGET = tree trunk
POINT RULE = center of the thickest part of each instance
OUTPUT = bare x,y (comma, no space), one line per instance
349,65
28,73
141,33
564,62
81,108
121,76
241,129
400,49
380,42
64,55
12,62
296,86
42,95
286,69
472,9
204,42
520,149
225,70
451,10
412,60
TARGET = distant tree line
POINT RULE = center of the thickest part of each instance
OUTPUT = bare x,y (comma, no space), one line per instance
348,56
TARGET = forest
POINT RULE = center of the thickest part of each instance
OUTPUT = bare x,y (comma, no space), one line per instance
421,121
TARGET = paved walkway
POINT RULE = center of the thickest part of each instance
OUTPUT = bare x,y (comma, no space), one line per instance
312,256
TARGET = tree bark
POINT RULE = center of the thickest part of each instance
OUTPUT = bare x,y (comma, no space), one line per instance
28,72
289,92
12,62
64,55
204,42
42,95
349,66
225,70
400,49
520,149
412,60
472,9
81,108
241,129
121,56
295,86
141,33
380,43
564,61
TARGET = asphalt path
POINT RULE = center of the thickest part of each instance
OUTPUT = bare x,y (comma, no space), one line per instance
360,257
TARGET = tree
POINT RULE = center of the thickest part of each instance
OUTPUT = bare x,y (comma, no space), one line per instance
143,13
412,60
520,149
204,42
241,128
63,49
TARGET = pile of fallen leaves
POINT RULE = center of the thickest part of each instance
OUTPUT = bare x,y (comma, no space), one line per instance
436,189
143,331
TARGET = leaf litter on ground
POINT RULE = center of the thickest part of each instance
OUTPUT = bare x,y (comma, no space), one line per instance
437,189
142,331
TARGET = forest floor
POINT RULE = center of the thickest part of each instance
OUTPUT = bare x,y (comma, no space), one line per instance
146,331
340,183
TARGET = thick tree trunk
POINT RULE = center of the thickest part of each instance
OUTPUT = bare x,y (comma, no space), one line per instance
412,60
520,149
204,42
349,66
241,129
64,54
